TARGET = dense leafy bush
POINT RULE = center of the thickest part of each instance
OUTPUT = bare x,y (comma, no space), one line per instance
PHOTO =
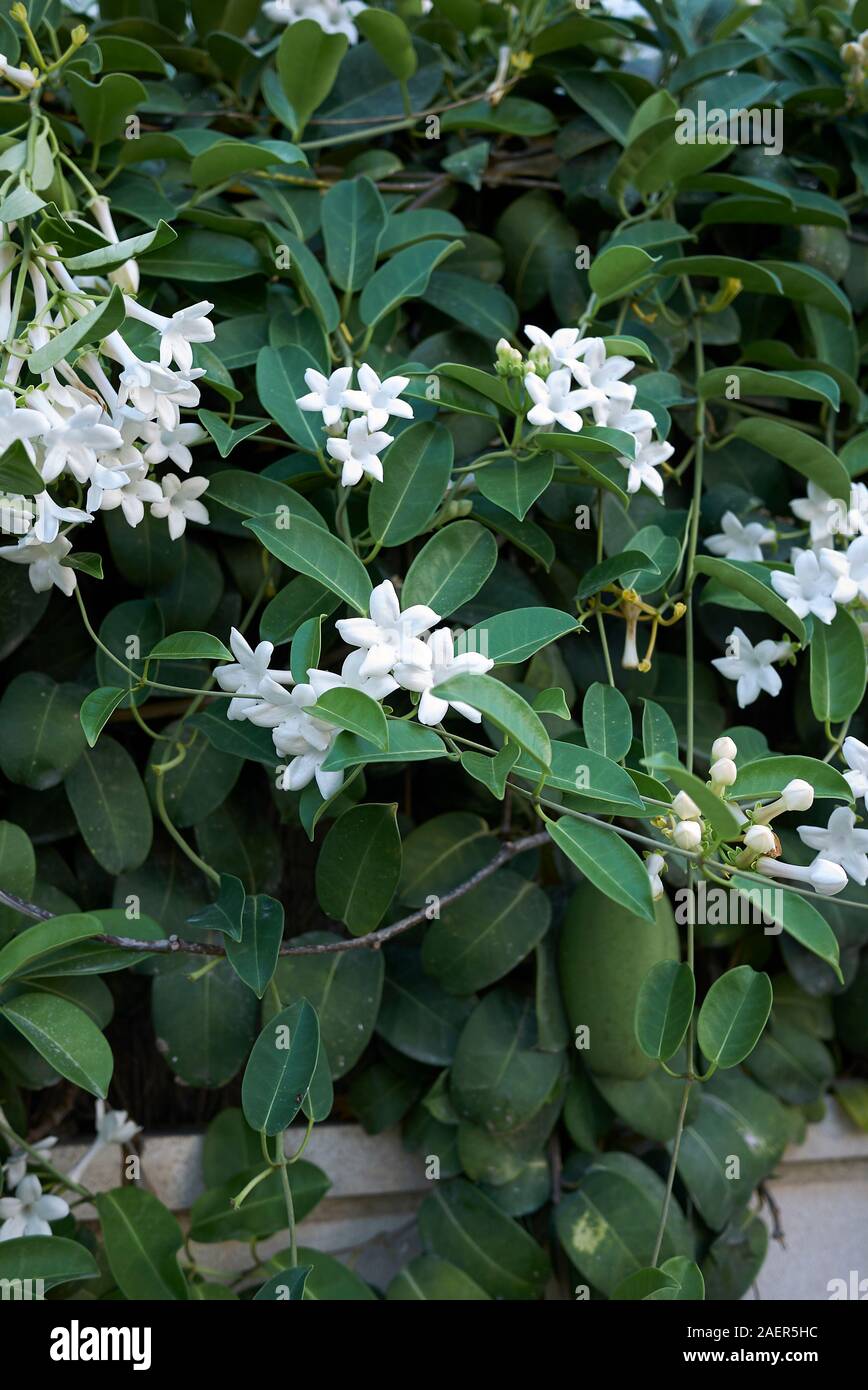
429,435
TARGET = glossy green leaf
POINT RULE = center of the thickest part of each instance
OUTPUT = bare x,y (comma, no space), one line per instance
404,276
481,936
837,668
463,1226
359,866
606,721
44,937
664,1008
318,554
281,1066
451,567
414,484
111,806
65,1036
353,220
510,638
795,914
733,1015
97,709
754,583
253,956
307,63
190,646
142,1239
800,451
50,1260
607,861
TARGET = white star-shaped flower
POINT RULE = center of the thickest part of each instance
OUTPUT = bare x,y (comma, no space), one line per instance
604,376
18,423
359,452
171,444
245,675
643,468
739,542
131,494
186,326
443,662
857,566
564,346
810,587
49,516
388,636
840,842
45,563
30,1211
555,401
379,399
856,757
752,667
180,503
327,393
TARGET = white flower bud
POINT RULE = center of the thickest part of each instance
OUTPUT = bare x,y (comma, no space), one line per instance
687,834
723,773
853,54
761,840
827,877
685,807
655,864
724,748
798,795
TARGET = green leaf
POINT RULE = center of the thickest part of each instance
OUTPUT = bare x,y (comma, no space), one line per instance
321,556
17,473
65,1036
584,772
413,486
304,654
479,307
754,583
110,806
203,257
500,1079
389,35
766,777
353,220
42,738
800,451
142,1239
504,707
516,484
253,956
190,646
430,1279
215,1217
837,668
417,1016
607,860
510,638
407,743
280,1069
298,601
207,1026
96,710
752,276
254,495
617,270
599,576
51,1260
287,1286
307,63
116,253
404,276
664,1008
44,937
796,915
92,328
733,1015
17,872
607,723
463,1226
658,732
359,866
224,436
226,913
344,987
354,711
484,934
227,158
279,382
442,853
104,107
750,381
451,567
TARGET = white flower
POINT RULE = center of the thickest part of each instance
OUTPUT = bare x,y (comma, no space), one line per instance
18,423
29,1212
688,834
810,587
443,663
16,514
72,442
856,758
563,347
180,503
389,635
840,842
22,77
760,839
45,563
153,389
245,675
624,416
604,375
824,876
379,399
655,864
752,668
186,326
327,393
555,400
828,517
131,495
722,773
15,1167
172,444
724,747
49,516
857,567
643,468
112,1127
359,452
684,807
739,542
126,275
797,795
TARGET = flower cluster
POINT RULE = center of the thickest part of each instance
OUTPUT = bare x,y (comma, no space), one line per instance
93,441
565,374
841,848
393,649
332,16
356,444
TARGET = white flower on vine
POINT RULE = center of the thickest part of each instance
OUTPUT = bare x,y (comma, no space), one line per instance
326,393
555,402
443,662
379,399
643,468
840,843
18,423
129,488
736,541
186,326
30,1211
389,635
857,570
245,675
359,452
15,1166
751,666
171,444
180,503
604,376
810,587
563,346
44,563
856,757
71,443
827,516
49,516
112,1127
